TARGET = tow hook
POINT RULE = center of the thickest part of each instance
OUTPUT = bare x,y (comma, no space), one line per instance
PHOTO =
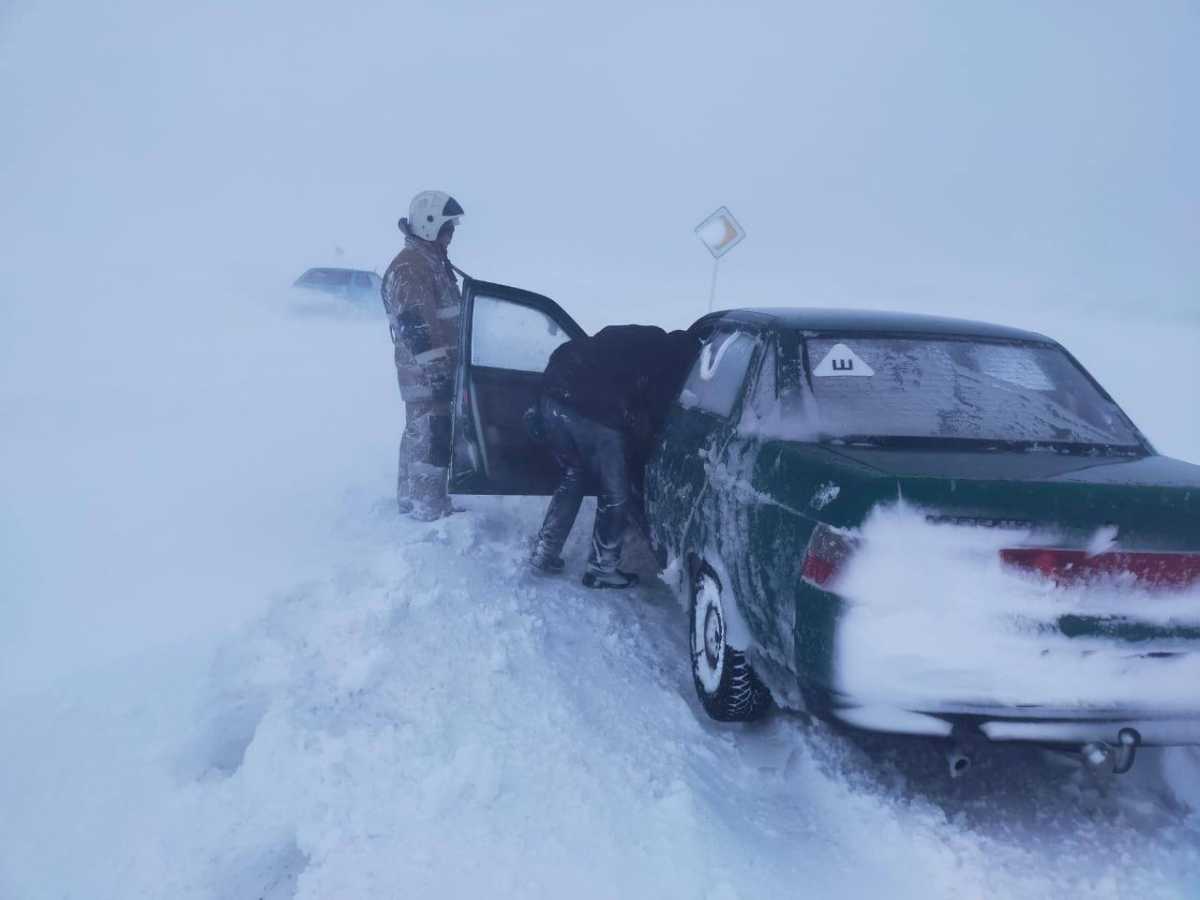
1099,756
1129,741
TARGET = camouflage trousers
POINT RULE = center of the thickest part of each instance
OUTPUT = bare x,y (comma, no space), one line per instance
424,462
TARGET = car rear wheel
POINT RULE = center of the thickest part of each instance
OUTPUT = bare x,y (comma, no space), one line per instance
725,683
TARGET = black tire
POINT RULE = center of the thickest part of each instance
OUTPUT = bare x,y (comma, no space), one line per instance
726,684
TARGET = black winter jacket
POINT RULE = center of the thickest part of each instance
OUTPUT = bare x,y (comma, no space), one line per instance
622,374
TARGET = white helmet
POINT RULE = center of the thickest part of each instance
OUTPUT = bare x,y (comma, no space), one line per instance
429,211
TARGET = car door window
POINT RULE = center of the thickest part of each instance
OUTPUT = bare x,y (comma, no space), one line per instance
718,374
762,402
507,335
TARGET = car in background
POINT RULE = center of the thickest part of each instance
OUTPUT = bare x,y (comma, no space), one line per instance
795,427
355,286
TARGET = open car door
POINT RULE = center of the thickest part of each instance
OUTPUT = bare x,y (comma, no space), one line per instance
507,337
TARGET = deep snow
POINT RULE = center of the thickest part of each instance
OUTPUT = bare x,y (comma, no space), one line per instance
411,712
432,721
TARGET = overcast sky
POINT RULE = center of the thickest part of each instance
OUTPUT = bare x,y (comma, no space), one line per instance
878,154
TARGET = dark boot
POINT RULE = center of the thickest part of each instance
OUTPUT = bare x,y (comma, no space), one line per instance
616,580
547,565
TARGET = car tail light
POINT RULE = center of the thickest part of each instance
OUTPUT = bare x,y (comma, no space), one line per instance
828,550
1067,567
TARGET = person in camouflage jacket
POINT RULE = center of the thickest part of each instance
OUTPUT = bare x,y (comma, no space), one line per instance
423,303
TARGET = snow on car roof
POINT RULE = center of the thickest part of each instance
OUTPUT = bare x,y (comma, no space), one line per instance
838,320
334,269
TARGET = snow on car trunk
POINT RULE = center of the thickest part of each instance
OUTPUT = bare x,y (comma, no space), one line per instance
935,618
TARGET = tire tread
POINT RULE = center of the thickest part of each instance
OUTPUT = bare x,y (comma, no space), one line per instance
741,696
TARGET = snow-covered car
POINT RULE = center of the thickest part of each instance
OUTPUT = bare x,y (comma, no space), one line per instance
901,523
356,286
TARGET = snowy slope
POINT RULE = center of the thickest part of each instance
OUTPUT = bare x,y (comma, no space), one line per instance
413,714
431,721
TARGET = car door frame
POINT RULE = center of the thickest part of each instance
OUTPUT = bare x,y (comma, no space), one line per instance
731,425
719,435
471,471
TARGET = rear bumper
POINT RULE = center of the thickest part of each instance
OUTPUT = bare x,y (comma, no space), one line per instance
1035,725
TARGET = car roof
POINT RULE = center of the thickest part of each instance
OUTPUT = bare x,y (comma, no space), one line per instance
865,320
335,269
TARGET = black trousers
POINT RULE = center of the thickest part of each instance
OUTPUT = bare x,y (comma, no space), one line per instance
585,450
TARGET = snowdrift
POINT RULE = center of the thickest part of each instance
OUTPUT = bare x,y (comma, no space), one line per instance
430,718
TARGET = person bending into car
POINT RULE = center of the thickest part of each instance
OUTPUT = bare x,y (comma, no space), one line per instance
422,300
602,399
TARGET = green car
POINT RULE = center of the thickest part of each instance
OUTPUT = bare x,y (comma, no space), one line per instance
900,523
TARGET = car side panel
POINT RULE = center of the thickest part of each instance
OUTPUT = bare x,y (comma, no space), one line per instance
795,487
676,477
757,541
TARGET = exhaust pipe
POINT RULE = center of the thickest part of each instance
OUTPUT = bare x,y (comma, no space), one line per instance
959,760
964,744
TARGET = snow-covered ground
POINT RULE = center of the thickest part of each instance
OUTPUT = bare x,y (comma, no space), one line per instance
408,712
228,669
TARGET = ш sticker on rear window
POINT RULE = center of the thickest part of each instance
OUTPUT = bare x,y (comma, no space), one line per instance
841,360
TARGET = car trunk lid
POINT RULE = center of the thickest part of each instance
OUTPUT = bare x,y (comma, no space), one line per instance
1151,502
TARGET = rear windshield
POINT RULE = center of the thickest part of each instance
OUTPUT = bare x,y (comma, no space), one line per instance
972,390
336,277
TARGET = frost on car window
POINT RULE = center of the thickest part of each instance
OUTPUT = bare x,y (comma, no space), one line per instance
717,375
1015,365
506,335
962,389
776,410
326,277
712,354
761,400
